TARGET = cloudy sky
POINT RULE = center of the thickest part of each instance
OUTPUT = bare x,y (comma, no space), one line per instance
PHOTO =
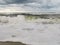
29,5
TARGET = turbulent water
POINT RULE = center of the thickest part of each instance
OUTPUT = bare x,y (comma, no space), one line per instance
30,31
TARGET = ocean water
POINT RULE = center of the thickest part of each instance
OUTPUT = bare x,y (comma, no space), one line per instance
30,31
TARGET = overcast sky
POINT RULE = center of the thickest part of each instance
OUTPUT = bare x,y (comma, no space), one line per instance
29,5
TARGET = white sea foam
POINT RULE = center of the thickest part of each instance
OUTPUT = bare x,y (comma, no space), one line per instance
30,32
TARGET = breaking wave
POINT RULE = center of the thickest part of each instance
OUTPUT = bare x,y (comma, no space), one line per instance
23,19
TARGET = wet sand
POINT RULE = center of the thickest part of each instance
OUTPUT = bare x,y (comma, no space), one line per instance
11,43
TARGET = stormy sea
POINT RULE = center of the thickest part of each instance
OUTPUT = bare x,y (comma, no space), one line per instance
30,29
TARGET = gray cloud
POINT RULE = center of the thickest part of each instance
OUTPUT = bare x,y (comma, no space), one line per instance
30,5
12,1
15,1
